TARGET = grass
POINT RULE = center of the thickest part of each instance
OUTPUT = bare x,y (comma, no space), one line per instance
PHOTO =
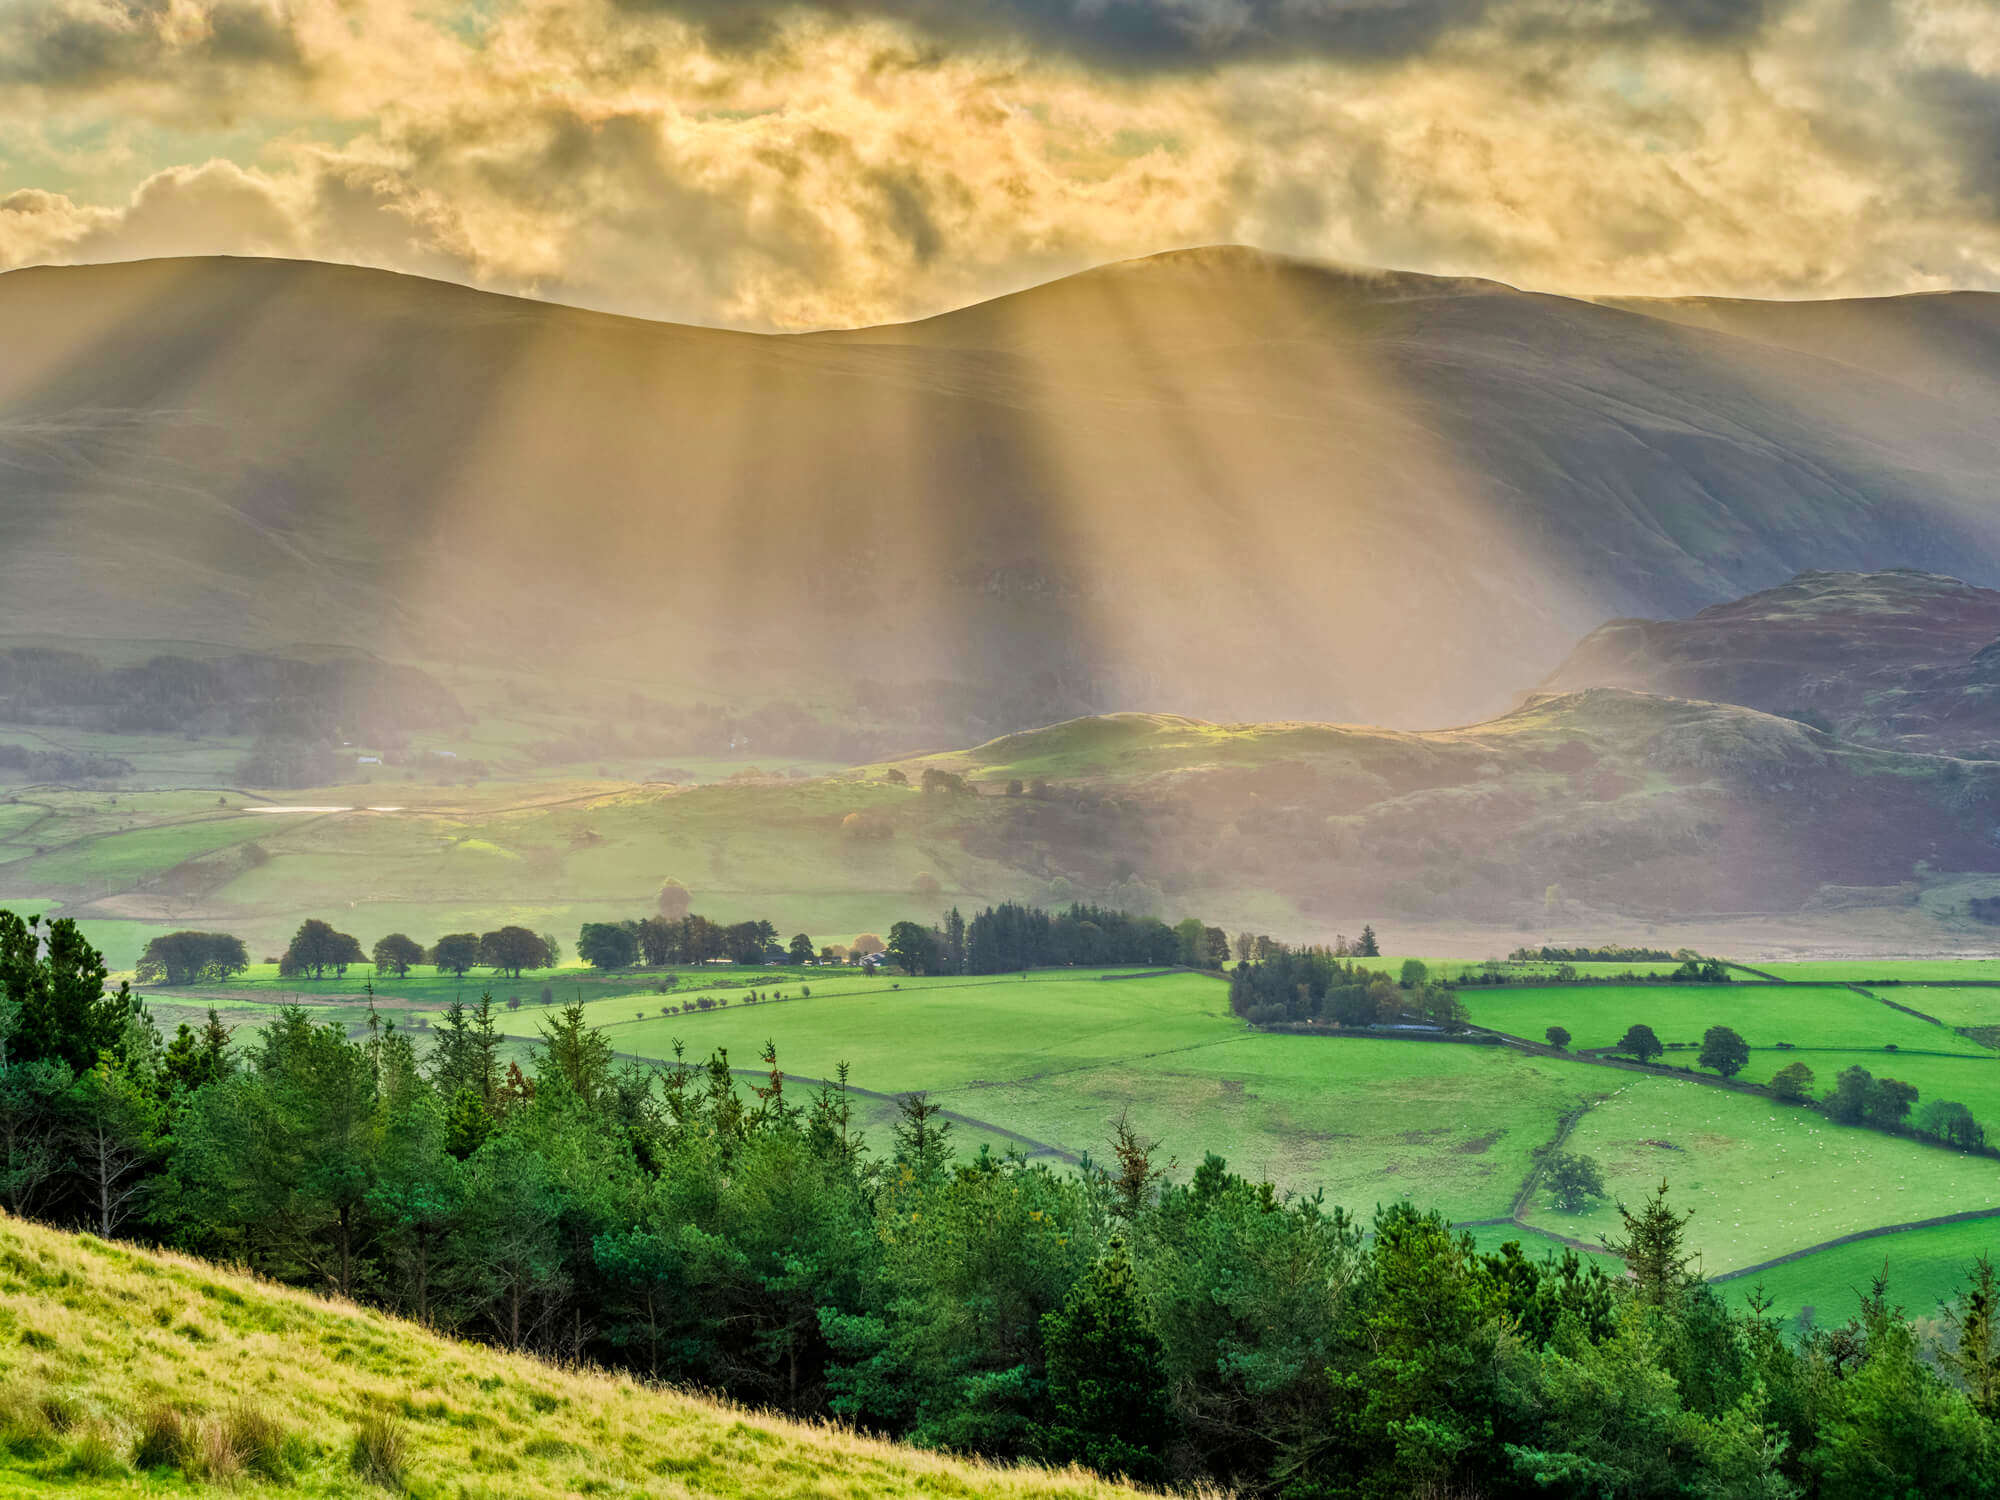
1806,1016
1952,1005
1909,970
1927,1268
123,1370
1762,1179
1059,1057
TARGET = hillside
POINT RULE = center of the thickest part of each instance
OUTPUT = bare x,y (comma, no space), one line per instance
110,1351
1007,515
1899,659
1577,810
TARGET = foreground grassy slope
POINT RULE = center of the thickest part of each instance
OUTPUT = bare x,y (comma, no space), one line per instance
102,1344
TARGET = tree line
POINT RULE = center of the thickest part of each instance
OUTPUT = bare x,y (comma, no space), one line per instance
674,1222
1320,985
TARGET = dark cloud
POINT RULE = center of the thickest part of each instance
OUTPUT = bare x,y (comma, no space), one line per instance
77,46
1964,108
1162,35
1136,34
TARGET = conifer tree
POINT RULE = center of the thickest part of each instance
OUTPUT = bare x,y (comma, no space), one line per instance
1652,1249
1107,1383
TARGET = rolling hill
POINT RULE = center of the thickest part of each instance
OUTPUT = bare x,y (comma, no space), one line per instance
1213,482
1597,810
124,1369
1899,659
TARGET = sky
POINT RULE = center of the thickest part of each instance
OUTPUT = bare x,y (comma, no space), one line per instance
846,162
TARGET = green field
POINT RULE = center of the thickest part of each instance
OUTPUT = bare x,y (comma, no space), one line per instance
1809,1017
1925,1267
1762,1179
1953,1005
1458,968
1909,970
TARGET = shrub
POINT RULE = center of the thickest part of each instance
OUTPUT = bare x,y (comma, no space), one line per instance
164,1441
381,1449
246,1439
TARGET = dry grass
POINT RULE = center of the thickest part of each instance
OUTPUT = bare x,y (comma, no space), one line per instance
117,1363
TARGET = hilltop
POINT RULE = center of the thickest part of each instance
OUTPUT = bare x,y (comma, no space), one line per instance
108,1347
1213,482
1900,659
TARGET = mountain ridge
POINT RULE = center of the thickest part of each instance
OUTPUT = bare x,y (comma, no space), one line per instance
1021,508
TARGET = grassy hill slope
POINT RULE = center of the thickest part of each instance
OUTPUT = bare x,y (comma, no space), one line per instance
112,1356
1024,507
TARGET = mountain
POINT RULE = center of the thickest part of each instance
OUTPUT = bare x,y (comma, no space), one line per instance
1216,482
1898,659
249,1387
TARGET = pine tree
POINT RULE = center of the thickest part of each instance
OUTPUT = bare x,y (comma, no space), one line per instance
1652,1249
1107,1381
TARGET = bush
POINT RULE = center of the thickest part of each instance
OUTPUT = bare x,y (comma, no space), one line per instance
381,1449
246,1439
164,1441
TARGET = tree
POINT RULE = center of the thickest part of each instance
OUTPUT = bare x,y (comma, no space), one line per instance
1976,1359
944,783
1652,1249
1106,1376
1557,1037
926,887
456,953
801,948
112,1129
512,949
1573,1181
53,989
1951,1122
1415,973
1723,1051
184,957
1887,1102
673,902
1792,1083
913,947
1849,1098
315,948
397,954
864,944
608,945
1639,1042
1366,946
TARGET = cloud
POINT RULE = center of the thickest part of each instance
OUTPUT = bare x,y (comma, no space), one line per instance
1179,34
82,44
871,160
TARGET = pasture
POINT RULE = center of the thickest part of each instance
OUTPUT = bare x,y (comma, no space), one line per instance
1926,1268
1805,1016
1908,970
1762,1179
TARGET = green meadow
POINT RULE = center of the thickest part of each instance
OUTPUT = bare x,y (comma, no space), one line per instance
1909,970
1926,1268
1807,1017
1763,1180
